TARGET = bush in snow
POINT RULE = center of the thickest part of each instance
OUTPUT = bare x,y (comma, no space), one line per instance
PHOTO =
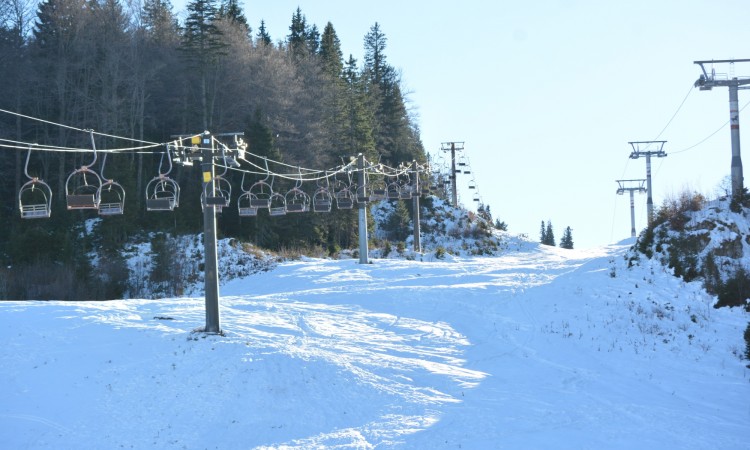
702,240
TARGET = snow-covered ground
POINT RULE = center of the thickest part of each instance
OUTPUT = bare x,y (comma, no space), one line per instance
536,348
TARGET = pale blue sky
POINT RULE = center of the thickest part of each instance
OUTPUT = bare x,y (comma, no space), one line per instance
547,94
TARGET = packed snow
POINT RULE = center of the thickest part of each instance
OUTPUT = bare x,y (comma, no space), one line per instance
537,347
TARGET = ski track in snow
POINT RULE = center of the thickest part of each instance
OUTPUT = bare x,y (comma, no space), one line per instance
537,348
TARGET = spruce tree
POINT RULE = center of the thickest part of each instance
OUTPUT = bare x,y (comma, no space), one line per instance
159,21
263,38
550,234
297,39
231,11
567,239
203,46
543,234
330,53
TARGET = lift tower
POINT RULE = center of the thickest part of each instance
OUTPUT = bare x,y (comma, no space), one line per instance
708,81
637,153
631,186
453,147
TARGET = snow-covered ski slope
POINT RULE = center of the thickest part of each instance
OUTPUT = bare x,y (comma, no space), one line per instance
536,348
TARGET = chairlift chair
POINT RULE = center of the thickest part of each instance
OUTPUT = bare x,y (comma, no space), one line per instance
322,200
244,205
277,205
406,192
111,195
344,199
221,193
362,195
378,191
81,189
35,200
111,199
82,185
34,197
297,201
245,201
261,193
393,191
162,194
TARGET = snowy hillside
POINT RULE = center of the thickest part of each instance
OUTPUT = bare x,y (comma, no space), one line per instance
536,348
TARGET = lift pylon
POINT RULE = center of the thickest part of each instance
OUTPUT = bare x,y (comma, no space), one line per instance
631,186
453,147
640,148
708,81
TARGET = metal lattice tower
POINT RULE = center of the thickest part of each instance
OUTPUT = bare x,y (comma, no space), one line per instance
708,81
453,147
631,186
639,150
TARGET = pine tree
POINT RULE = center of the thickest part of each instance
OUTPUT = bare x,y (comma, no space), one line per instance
330,53
231,11
297,39
375,60
396,137
263,38
159,21
357,133
543,234
203,46
567,239
550,234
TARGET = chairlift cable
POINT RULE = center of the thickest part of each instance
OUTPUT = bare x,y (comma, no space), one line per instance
76,129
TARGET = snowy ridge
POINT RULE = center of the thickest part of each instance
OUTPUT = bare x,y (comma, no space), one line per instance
536,348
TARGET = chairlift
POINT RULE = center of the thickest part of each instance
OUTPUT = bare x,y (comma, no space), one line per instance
406,192
217,193
472,184
462,161
82,185
277,205
321,198
245,200
34,197
393,191
378,191
362,195
477,198
297,200
111,195
343,193
261,191
344,199
162,192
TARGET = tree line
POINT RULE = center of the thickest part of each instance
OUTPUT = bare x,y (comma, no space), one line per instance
134,70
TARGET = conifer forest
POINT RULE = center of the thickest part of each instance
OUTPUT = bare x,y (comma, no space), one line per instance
137,76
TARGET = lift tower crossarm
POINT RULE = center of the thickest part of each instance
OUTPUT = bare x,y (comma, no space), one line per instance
707,81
